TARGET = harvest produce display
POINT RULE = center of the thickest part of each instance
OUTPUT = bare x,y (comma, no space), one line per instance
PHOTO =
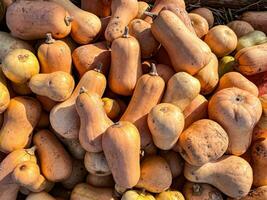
133,100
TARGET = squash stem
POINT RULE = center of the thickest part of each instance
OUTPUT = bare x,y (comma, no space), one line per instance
126,32
68,20
196,189
82,90
49,39
99,68
153,71
31,150
150,14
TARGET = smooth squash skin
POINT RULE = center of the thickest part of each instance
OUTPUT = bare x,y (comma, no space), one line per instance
232,175
20,118
141,30
93,120
54,55
166,123
133,195
74,147
208,76
151,166
4,93
235,79
9,191
237,111
88,57
21,89
142,8
39,195
206,13
92,81
187,52
96,164
258,193
112,108
56,164
121,145
148,92
252,60
125,72
100,8
9,43
203,132
123,11
200,24
170,195
85,26
256,19
47,104
57,86
240,27
100,181
251,39
84,191
29,20
182,88
200,191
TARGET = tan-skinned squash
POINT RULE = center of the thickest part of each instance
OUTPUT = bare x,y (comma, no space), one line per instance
29,20
20,118
93,120
54,55
100,8
200,24
124,73
92,81
149,167
258,193
100,181
200,191
40,195
256,19
121,145
198,134
251,39
40,185
170,195
57,86
237,111
123,11
208,76
235,79
9,43
240,27
206,13
84,191
251,60
85,26
112,108
56,164
47,104
148,92
142,8
133,195
171,32
141,30
96,164
232,175
166,123
20,65
222,40
182,88
88,57
4,93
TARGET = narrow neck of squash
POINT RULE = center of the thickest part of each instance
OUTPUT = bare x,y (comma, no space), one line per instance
49,39
153,71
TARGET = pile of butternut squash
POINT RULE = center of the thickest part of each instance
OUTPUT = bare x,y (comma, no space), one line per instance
131,100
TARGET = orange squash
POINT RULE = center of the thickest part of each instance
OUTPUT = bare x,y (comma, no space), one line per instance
200,24
142,7
206,13
101,8
112,108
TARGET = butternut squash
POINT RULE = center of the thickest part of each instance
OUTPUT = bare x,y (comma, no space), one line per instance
9,43
90,56
142,8
54,55
149,167
47,103
166,123
208,76
251,60
20,118
100,181
57,86
206,13
93,120
141,30
203,132
92,81
237,111
85,26
255,194
251,39
169,195
232,175
100,8
123,11
55,162
20,65
4,93
256,19
222,40
235,79
133,194
96,164
84,191
200,191
74,147
21,89
121,146
200,24
182,88
187,52
148,92
112,108
30,20
240,27
40,195
124,73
